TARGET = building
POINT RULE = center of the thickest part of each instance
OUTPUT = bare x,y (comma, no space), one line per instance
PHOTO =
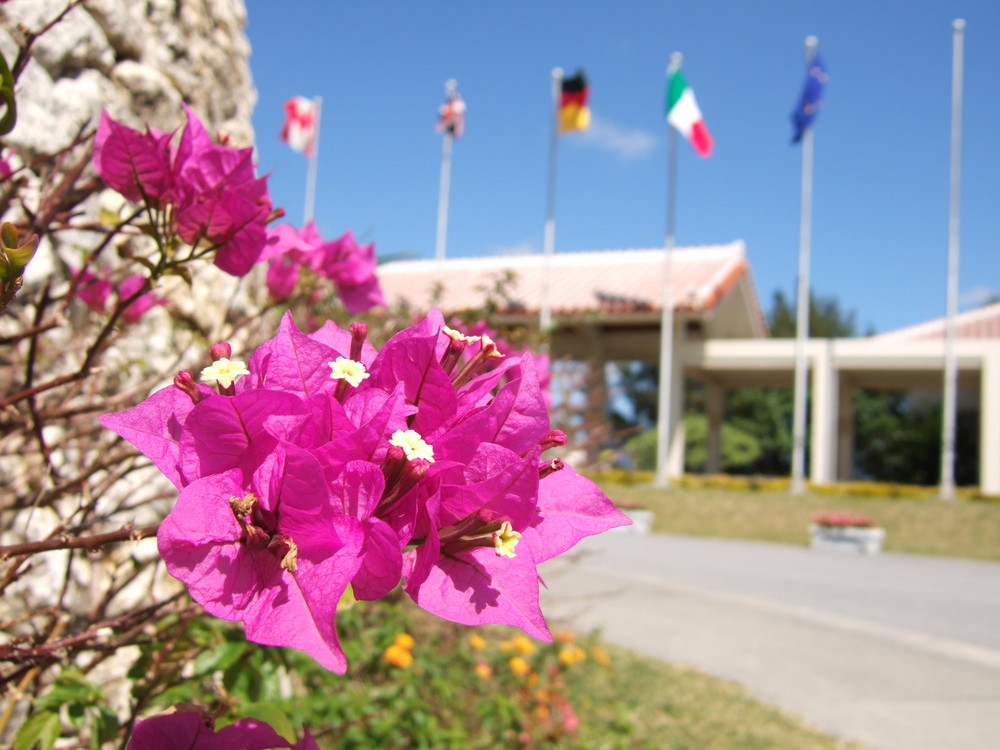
607,307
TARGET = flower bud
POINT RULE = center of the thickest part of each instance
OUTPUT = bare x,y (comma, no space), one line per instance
220,351
184,380
555,439
359,332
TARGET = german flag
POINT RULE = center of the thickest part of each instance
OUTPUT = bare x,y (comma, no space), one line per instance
574,114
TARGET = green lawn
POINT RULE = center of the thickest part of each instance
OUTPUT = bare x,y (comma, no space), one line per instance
966,527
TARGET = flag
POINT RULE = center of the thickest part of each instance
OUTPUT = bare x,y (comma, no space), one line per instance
451,115
574,114
811,99
299,129
684,115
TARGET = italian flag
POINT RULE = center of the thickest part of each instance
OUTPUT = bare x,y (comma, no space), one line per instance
683,114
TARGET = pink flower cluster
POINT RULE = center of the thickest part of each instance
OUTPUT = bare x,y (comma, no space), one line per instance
192,731
842,519
94,290
543,364
351,267
320,464
211,191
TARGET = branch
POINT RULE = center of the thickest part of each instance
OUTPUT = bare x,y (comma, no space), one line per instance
124,534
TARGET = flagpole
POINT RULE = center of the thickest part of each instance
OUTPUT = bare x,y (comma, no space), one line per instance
798,484
947,490
663,433
444,191
310,203
545,315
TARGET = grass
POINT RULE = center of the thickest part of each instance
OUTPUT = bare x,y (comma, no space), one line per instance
462,688
464,681
677,708
966,527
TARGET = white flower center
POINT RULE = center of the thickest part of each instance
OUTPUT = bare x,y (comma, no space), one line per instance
412,444
459,336
349,370
505,540
225,371
490,347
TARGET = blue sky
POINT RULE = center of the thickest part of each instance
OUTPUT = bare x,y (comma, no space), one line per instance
880,205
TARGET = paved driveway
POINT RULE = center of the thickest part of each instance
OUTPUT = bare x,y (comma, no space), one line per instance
900,651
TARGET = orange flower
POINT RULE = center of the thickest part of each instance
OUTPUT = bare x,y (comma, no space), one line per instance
565,636
519,666
404,640
570,655
600,656
523,646
397,656
477,642
483,670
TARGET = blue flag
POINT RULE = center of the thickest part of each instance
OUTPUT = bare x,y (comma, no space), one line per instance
812,94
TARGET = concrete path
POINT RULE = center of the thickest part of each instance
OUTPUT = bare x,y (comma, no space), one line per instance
899,651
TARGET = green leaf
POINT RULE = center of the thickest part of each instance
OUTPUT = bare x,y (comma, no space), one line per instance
219,658
9,118
105,726
71,687
41,731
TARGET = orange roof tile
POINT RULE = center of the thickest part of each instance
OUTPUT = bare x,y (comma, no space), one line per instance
981,323
607,281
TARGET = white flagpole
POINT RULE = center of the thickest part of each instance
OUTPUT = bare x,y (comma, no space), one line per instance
443,193
663,432
798,485
947,490
310,203
545,316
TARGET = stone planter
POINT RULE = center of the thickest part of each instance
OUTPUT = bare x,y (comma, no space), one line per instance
864,539
642,521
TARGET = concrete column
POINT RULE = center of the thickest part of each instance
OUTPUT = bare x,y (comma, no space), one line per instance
989,425
845,432
715,406
595,411
823,427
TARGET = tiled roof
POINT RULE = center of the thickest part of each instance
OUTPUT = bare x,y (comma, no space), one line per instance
616,281
981,323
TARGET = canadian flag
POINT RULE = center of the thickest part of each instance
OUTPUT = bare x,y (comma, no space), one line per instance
299,130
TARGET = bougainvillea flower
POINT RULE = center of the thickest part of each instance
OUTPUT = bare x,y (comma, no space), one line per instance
138,165
480,575
94,291
284,239
269,552
323,463
190,730
543,364
359,298
215,195
349,266
142,304
282,276
220,199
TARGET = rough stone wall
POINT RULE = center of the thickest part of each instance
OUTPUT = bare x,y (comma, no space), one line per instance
138,58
